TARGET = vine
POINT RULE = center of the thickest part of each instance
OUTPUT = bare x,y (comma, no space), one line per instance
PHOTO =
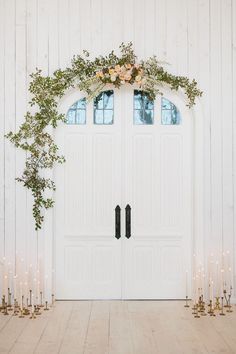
89,76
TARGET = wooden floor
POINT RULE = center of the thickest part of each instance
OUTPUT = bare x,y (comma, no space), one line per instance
118,327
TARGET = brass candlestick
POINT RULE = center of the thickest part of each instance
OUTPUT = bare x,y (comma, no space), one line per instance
211,310
197,313
30,300
186,299
226,300
21,313
37,310
46,306
217,303
5,310
194,309
16,308
41,299
32,317
229,305
222,306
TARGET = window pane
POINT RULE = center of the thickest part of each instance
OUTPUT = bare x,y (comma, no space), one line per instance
98,118
143,108
77,113
147,103
81,104
103,108
169,113
71,116
80,117
138,116
137,100
108,116
98,101
148,116
108,100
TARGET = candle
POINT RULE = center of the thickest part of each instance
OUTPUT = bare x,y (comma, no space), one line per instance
21,296
186,283
15,286
212,291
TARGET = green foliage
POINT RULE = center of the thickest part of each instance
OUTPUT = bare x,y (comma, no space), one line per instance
89,76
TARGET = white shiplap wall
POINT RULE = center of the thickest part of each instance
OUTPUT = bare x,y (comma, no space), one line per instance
198,38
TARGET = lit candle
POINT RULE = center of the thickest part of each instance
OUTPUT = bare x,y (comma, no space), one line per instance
32,302
5,285
15,286
21,296
212,291
186,284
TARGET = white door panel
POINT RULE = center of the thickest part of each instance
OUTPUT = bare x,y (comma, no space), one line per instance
145,166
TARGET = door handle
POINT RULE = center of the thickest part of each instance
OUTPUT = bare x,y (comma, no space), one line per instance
117,222
127,221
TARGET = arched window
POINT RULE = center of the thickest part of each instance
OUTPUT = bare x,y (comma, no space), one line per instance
104,108
170,114
77,112
143,108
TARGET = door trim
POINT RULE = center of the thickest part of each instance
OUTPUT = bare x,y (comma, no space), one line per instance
197,115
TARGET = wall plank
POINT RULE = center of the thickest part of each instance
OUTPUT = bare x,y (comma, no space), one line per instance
197,37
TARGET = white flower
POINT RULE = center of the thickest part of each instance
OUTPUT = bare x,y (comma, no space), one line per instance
113,77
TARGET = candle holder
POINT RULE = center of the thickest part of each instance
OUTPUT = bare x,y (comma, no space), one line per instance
9,299
222,306
5,310
197,313
26,311
46,306
30,299
37,310
194,309
217,303
229,305
186,301
211,310
41,299
32,317
226,300
21,313
16,308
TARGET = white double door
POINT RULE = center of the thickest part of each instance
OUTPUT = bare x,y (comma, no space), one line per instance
147,167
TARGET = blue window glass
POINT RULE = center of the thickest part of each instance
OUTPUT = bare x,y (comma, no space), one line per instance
104,108
143,108
170,114
77,113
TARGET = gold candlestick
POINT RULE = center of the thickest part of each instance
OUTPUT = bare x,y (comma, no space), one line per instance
222,306
41,299
46,306
30,302
229,305
186,303
21,314
197,313
217,303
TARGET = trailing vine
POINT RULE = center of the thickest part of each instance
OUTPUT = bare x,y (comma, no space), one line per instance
89,76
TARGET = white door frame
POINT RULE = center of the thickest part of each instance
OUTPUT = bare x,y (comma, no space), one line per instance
197,115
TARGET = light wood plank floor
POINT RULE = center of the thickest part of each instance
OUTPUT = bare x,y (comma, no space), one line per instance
118,327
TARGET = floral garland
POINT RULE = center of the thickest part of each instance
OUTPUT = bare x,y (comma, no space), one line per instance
90,76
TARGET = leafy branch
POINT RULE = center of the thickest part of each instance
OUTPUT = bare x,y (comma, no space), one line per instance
89,76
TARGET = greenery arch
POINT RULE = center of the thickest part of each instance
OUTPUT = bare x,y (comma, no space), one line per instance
89,76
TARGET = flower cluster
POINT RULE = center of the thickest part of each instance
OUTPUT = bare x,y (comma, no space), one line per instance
120,74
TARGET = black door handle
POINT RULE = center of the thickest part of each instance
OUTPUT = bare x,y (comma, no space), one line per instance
117,222
127,221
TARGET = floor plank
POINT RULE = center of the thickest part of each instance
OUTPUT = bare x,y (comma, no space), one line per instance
118,327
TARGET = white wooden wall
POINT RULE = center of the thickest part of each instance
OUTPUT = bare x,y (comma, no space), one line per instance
198,39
